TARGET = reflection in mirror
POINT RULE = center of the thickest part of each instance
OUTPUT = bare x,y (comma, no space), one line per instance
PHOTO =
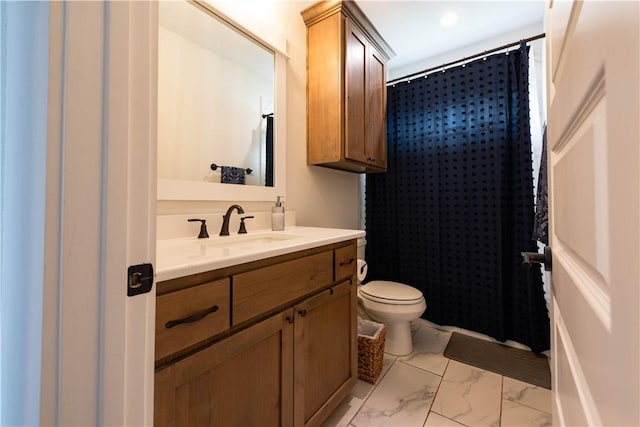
215,100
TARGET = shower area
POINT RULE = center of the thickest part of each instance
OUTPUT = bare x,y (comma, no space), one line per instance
457,205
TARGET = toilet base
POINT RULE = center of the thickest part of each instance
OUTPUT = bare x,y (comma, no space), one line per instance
398,340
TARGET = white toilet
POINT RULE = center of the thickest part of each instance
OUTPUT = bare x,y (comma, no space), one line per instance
395,305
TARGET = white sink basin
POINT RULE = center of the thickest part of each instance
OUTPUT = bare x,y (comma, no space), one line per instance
248,241
224,246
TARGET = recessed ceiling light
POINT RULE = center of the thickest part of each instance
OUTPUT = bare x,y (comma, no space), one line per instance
448,19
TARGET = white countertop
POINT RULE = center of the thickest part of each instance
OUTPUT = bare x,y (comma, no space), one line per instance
185,256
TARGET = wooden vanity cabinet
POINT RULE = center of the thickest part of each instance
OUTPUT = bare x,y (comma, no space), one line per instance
325,369
346,88
287,362
243,380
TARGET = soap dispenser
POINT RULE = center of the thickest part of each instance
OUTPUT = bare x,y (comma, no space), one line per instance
277,216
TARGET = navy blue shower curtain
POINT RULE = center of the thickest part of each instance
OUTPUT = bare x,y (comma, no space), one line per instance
455,208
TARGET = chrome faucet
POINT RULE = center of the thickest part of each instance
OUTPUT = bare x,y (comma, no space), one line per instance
224,231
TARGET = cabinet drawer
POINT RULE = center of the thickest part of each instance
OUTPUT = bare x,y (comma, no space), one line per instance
258,291
203,310
345,262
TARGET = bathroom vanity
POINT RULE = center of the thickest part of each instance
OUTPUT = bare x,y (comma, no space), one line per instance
258,330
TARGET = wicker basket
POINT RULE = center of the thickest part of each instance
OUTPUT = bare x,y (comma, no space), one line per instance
370,349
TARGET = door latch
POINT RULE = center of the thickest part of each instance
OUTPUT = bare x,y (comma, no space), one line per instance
139,279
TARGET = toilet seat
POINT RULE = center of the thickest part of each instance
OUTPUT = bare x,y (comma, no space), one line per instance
386,292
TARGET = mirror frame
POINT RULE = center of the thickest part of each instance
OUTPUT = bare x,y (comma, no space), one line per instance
174,189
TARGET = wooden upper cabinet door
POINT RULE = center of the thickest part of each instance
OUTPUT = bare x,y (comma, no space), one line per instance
376,142
356,93
366,100
325,91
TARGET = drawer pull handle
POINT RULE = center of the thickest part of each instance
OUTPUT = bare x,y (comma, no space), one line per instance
193,318
347,261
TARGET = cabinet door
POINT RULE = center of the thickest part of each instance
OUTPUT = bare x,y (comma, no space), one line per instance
325,91
355,89
243,380
366,100
325,353
376,141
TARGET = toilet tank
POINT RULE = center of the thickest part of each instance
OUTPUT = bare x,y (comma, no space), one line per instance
362,243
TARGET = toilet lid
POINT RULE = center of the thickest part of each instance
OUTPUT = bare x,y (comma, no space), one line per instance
391,291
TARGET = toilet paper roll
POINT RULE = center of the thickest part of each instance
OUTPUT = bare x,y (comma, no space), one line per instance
362,269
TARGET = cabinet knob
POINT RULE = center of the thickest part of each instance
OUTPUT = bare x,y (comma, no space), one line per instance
289,319
371,159
302,313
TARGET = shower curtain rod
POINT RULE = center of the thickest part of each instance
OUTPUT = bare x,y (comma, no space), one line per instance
466,58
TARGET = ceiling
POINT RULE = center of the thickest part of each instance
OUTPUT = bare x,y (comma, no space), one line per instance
414,31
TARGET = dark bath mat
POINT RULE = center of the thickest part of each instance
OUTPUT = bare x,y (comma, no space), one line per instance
512,362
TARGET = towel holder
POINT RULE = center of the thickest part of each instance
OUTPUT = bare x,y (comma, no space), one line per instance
215,167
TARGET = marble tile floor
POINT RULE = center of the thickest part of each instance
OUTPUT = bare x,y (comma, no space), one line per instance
427,389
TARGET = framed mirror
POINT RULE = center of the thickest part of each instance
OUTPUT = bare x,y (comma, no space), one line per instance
221,108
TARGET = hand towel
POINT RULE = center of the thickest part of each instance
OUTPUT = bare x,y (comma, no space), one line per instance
232,175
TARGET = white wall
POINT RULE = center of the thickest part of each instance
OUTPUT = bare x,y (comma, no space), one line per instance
321,197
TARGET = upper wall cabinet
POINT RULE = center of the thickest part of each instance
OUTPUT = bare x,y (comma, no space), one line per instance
346,88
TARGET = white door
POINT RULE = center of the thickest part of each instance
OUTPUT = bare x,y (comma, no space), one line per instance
97,342
593,144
